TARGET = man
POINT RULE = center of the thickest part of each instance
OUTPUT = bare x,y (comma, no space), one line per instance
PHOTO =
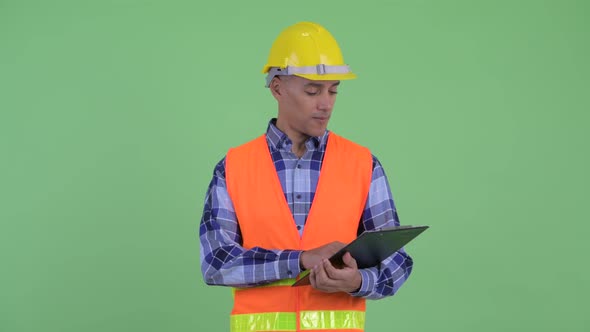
288,200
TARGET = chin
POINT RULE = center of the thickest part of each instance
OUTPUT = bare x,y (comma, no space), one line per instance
317,133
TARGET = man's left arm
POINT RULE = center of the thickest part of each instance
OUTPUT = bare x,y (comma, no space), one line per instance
386,278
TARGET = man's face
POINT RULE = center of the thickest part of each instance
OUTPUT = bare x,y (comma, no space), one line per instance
305,106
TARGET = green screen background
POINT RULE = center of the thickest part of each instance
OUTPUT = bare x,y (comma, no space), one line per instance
114,113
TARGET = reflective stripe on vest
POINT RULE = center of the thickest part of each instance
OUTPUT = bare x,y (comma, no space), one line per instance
309,320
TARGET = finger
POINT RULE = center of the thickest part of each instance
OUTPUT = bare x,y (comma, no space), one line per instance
320,274
337,275
339,244
312,278
330,285
335,246
331,271
349,261
323,282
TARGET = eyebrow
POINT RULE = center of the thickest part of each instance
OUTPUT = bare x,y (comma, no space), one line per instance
318,85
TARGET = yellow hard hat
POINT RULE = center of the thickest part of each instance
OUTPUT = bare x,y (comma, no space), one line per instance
307,50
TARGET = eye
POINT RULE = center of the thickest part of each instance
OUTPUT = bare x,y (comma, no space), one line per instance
312,93
333,92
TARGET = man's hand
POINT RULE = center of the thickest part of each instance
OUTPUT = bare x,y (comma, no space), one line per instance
327,278
313,257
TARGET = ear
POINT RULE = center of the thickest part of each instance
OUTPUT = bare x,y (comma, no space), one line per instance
276,87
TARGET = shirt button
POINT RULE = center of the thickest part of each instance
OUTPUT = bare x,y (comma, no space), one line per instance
298,227
289,273
298,196
298,166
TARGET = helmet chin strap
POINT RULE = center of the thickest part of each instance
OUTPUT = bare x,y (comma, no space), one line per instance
320,69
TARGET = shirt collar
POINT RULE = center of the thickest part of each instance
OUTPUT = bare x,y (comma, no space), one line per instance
280,141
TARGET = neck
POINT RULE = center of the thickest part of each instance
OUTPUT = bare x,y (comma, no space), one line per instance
298,139
299,149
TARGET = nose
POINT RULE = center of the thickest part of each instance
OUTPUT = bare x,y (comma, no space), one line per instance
326,102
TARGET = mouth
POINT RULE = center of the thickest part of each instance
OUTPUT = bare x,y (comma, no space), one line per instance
321,119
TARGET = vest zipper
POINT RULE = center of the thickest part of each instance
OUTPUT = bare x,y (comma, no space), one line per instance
297,308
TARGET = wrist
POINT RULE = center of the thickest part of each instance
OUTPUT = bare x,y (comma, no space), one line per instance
301,265
357,282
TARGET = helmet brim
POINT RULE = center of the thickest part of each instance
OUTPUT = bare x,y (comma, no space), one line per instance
328,77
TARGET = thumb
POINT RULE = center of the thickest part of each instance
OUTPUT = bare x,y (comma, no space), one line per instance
349,261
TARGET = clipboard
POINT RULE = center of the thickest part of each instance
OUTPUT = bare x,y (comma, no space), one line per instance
372,247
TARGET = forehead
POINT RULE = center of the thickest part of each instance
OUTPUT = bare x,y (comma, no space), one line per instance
313,83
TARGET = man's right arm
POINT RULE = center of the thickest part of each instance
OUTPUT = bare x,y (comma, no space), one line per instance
224,261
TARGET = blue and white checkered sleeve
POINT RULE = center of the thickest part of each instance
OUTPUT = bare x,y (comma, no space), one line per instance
385,279
224,261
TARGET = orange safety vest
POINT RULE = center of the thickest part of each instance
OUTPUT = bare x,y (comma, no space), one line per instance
266,221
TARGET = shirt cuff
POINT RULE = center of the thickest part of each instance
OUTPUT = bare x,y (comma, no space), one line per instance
289,266
367,282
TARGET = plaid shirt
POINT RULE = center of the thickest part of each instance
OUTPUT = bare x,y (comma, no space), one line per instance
225,262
